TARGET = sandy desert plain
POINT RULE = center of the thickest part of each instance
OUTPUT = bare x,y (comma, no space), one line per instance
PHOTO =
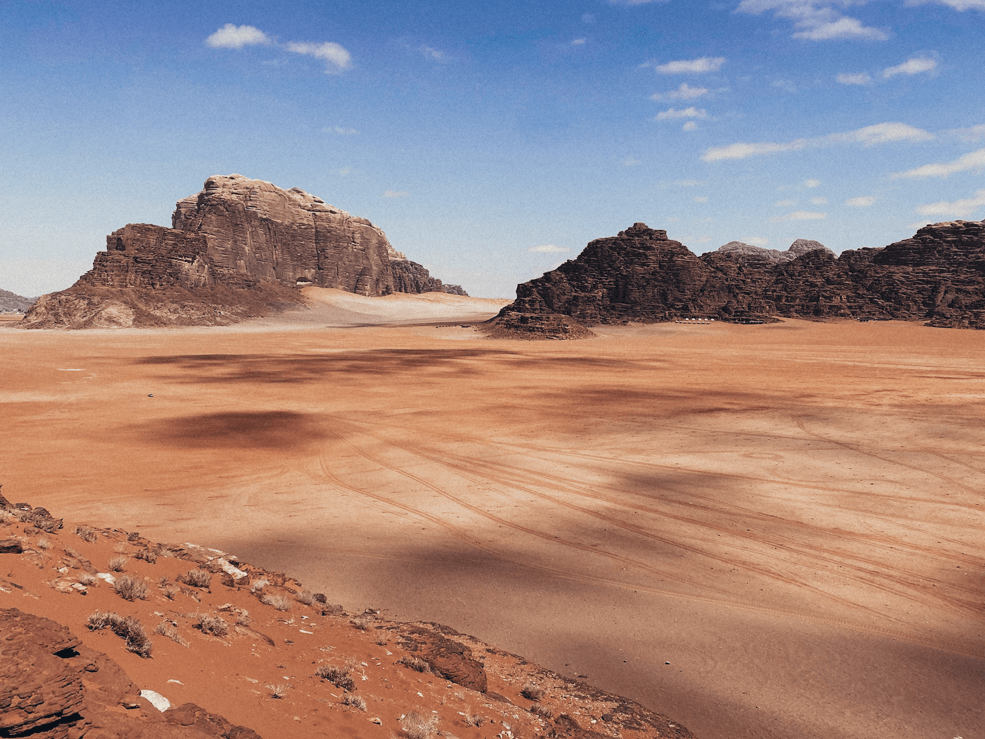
761,531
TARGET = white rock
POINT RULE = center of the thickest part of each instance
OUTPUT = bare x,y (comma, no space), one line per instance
156,699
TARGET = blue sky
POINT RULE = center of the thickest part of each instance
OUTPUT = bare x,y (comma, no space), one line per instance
492,141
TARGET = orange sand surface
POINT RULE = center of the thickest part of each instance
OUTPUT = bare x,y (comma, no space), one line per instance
761,531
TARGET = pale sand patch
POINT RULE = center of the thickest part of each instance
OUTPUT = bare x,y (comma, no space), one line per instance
790,515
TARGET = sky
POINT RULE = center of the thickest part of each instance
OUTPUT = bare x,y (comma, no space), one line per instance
492,141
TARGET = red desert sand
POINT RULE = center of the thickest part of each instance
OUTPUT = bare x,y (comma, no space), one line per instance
760,531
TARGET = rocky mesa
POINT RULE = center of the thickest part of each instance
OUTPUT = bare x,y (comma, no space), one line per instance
641,275
239,248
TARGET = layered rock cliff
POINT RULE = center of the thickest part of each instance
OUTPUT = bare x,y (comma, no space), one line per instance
641,275
12,302
237,249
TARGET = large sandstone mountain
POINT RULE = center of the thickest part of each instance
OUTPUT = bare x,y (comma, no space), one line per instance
641,275
237,249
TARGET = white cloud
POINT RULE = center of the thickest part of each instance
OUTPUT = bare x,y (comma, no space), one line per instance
815,20
432,53
396,194
701,198
744,151
587,18
755,241
784,203
631,162
341,131
785,85
799,215
971,134
692,66
684,92
972,160
231,36
957,209
690,126
819,201
330,52
860,202
880,133
811,184
579,41
959,5
690,183
916,65
345,171
862,78
547,249
672,114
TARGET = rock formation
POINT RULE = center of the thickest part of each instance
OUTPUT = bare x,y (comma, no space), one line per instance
11,302
237,249
641,275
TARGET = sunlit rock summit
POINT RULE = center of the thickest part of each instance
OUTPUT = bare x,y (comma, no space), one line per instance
237,249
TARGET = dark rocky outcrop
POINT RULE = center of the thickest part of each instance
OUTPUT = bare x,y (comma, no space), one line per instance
239,248
642,276
54,687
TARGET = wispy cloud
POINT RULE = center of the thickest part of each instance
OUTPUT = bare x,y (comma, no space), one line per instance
860,202
862,78
819,201
673,114
396,194
815,20
690,126
231,36
784,203
579,41
811,184
690,183
701,198
631,162
971,134
959,5
970,161
799,215
880,133
701,65
340,131
684,92
547,249
756,241
957,209
916,65
333,54
433,54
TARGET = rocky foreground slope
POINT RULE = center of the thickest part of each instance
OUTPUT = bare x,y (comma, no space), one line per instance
642,276
239,248
106,634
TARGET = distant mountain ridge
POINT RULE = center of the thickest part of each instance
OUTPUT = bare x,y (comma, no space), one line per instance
239,248
12,302
640,275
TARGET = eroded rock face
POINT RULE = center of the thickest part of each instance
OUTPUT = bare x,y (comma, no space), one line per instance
641,275
54,687
237,249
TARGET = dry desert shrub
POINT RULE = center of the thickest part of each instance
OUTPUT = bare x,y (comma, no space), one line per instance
473,719
532,692
212,625
355,701
44,543
126,627
130,587
278,690
539,709
258,585
170,590
414,663
147,555
197,578
418,726
277,601
243,617
86,534
168,629
306,598
133,536
118,564
86,579
6,516
362,624
339,675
